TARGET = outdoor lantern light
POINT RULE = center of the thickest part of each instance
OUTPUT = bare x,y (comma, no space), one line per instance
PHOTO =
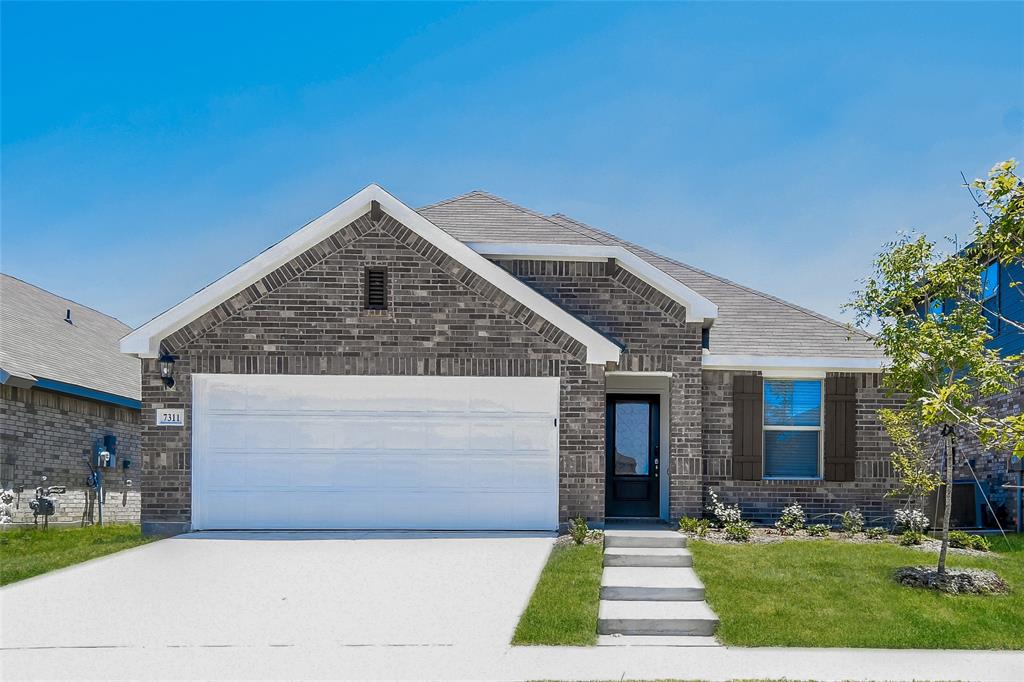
167,369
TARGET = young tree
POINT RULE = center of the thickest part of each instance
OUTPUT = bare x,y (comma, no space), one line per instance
932,326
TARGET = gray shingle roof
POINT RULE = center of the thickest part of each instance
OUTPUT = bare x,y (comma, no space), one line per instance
749,322
36,342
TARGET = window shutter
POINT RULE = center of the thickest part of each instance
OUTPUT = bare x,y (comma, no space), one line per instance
747,431
840,428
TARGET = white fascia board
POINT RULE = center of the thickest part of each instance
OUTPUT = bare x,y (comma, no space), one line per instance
780,364
698,308
145,341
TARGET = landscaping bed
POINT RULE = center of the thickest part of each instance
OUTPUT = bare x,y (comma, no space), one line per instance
25,552
563,608
823,592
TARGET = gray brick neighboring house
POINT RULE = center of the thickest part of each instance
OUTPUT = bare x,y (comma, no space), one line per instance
65,385
476,365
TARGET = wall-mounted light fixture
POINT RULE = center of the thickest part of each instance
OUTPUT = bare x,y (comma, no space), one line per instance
167,369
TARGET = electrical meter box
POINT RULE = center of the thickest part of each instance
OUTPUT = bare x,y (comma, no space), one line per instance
105,452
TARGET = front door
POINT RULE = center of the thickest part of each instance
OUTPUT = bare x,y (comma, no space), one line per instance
632,442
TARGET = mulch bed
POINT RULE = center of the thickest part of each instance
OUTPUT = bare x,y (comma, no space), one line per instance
955,581
766,536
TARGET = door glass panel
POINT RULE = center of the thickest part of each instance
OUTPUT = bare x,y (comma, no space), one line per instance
632,438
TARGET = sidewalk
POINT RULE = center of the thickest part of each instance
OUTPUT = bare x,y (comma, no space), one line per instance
519,663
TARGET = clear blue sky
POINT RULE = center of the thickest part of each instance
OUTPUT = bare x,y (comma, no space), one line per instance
148,148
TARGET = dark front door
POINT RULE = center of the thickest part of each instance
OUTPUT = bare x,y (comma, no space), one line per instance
632,439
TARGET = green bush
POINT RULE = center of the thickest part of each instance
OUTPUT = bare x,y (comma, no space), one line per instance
579,531
738,531
698,527
959,539
911,537
876,533
819,530
980,543
852,521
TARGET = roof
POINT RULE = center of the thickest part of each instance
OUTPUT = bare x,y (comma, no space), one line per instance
145,341
38,347
749,322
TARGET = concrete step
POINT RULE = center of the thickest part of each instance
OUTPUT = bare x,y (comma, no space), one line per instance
631,583
643,538
656,618
647,556
656,640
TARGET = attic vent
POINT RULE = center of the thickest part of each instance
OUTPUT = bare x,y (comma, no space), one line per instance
376,288
67,317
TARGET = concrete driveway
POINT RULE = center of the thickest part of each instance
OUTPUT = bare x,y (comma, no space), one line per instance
285,589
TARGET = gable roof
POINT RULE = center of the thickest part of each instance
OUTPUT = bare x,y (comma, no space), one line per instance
145,341
39,348
750,324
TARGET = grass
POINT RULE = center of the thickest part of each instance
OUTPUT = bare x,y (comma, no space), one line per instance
563,608
834,594
25,552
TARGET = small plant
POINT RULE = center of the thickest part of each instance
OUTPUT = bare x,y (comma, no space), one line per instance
911,537
698,527
959,539
738,531
911,519
723,514
980,543
818,530
876,533
791,519
579,531
852,521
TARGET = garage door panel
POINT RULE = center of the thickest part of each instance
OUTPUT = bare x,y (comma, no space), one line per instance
375,452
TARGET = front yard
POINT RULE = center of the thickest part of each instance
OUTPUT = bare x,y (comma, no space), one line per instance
563,608
830,593
25,552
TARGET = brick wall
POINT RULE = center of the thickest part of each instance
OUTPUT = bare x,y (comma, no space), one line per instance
50,434
762,501
308,318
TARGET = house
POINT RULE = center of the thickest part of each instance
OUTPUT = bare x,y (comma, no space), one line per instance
66,387
477,365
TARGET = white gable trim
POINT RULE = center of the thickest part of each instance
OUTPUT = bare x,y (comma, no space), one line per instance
698,308
780,364
145,341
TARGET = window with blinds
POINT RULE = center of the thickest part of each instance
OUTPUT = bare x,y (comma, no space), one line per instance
792,428
376,286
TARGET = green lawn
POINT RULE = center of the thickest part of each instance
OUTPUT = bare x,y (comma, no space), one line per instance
25,552
834,594
563,608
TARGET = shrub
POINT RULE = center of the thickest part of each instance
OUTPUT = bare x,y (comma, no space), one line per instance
723,514
852,521
911,519
579,531
698,527
911,537
959,539
819,530
791,519
980,543
738,531
876,533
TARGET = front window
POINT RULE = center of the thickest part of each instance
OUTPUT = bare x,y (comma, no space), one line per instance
792,428
990,295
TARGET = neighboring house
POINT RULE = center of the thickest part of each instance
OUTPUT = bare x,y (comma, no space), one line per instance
476,365
65,386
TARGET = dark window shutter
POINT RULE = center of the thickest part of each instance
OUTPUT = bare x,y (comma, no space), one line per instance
747,427
840,428
376,288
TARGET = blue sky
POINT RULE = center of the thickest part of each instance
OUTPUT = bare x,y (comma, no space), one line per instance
149,148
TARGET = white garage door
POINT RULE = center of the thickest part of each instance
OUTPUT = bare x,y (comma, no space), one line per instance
374,452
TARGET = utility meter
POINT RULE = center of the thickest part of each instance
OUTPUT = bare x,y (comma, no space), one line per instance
105,452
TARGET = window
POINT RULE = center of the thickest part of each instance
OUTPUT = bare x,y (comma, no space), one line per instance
376,288
990,295
792,428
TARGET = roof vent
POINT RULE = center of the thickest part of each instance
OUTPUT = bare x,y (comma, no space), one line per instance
67,317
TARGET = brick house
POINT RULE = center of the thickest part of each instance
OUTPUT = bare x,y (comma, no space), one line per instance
65,386
476,365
